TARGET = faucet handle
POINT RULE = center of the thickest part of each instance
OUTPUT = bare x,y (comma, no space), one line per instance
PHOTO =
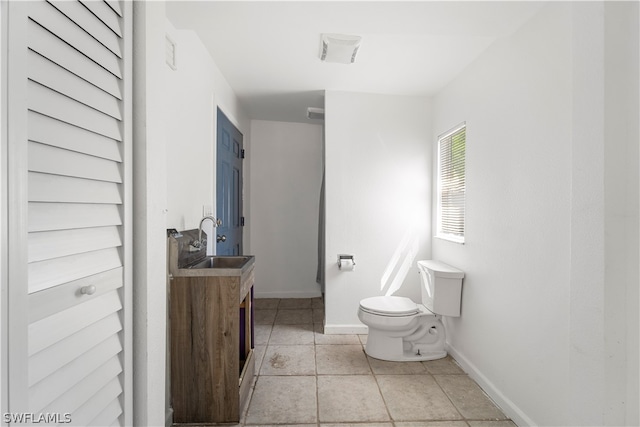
218,222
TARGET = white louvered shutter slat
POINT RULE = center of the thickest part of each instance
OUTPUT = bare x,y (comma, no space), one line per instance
61,80
53,272
56,105
67,216
69,375
54,161
49,131
58,188
63,54
56,244
108,415
82,14
108,12
86,389
54,358
63,324
92,407
47,16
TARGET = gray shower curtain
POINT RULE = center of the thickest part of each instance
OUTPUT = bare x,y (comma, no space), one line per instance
320,271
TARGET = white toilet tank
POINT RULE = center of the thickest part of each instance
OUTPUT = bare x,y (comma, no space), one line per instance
441,287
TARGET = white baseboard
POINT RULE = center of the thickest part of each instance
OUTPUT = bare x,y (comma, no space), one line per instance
345,329
509,408
305,294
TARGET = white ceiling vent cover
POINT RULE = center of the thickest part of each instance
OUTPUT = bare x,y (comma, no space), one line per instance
340,48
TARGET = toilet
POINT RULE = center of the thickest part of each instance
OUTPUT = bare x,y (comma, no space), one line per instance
401,330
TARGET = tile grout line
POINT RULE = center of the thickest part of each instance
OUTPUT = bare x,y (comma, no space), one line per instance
375,378
449,398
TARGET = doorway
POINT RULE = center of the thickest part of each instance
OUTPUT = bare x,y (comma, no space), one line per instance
230,155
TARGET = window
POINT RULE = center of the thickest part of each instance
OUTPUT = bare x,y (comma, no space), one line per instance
451,184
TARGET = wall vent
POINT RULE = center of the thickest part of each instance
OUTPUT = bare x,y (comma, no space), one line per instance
315,113
170,52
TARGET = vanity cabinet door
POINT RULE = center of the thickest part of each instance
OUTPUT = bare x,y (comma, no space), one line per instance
204,349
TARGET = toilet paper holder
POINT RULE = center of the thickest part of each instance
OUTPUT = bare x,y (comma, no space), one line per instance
343,261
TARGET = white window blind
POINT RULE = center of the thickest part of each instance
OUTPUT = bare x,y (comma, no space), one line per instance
451,184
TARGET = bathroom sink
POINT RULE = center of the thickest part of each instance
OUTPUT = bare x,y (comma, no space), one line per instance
184,261
226,262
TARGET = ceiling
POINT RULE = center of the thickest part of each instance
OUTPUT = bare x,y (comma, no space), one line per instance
269,51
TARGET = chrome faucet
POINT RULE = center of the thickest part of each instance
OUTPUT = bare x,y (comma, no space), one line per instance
216,222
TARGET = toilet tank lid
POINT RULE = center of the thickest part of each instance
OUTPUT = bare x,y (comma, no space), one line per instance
440,269
390,305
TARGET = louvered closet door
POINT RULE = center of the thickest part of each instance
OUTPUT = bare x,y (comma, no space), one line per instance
78,103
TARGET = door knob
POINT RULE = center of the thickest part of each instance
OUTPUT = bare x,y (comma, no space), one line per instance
88,290
221,238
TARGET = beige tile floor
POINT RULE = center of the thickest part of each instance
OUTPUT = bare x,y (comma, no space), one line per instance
306,378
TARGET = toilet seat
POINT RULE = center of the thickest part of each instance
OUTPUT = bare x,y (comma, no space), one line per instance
390,306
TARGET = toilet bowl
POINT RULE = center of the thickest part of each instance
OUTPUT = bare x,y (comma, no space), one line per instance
401,330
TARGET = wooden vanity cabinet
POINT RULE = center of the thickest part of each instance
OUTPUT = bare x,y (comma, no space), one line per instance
211,368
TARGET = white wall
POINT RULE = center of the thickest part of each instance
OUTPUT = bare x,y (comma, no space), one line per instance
378,198
540,297
194,91
621,194
174,176
285,160
149,208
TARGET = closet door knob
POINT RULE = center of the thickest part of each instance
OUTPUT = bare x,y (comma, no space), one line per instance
88,290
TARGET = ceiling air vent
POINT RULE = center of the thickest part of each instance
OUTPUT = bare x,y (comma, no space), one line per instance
339,48
170,52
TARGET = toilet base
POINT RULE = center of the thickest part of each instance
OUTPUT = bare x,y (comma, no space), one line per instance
408,356
380,345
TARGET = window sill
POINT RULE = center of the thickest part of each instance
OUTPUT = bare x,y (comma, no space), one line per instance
450,238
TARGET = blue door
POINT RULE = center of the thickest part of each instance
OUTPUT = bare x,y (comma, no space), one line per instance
229,188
